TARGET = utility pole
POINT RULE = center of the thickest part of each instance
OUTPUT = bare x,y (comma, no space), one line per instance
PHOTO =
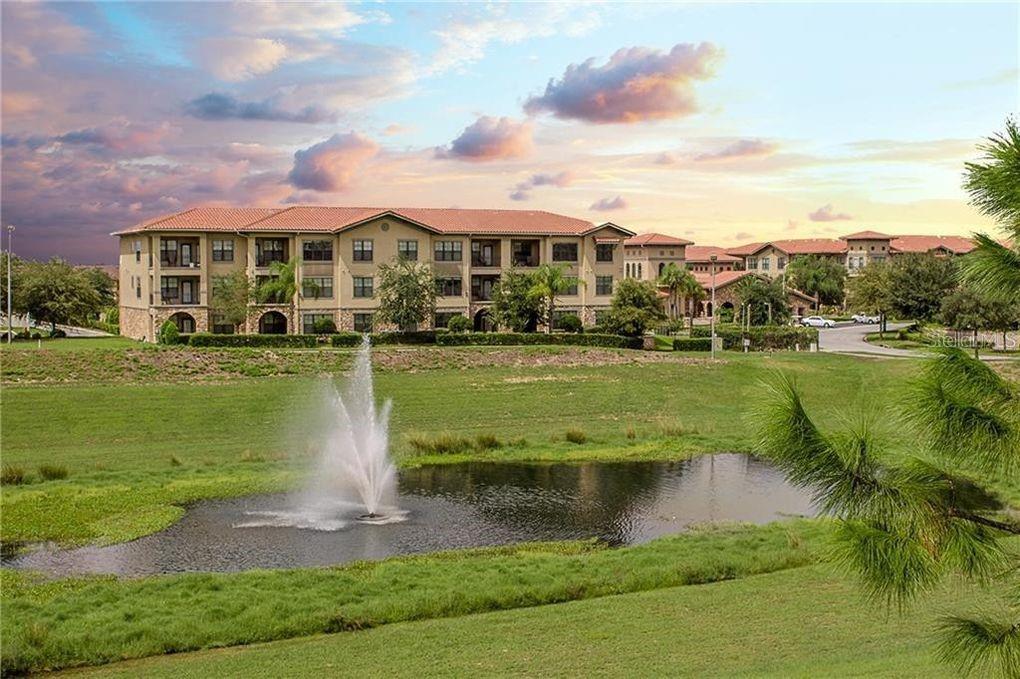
10,256
712,259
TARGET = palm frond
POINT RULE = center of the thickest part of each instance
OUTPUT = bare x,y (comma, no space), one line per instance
991,268
994,182
984,643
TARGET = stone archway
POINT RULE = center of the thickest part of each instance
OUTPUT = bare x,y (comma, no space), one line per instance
483,321
185,322
273,323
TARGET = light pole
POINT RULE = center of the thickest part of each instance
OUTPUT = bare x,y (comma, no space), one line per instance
712,259
10,256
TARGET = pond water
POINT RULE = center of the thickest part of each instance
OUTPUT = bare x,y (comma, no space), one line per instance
455,506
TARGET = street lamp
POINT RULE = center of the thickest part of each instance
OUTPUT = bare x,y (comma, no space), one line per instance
712,259
10,256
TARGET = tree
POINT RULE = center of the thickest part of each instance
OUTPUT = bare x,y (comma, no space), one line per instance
231,295
964,309
905,522
994,187
692,293
55,292
548,281
514,302
870,292
102,283
766,301
918,282
636,305
677,281
407,293
281,287
823,277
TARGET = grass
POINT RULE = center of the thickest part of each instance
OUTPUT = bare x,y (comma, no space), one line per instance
804,622
72,344
102,619
136,452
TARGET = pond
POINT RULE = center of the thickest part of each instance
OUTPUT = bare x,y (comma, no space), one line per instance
456,506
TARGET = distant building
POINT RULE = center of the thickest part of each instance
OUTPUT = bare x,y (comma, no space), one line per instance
646,255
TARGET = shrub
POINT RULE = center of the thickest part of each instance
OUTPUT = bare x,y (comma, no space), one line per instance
52,472
458,324
763,338
12,475
168,333
209,340
324,326
692,344
444,444
486,442
576,436
569,323
519,338
404,337
346,339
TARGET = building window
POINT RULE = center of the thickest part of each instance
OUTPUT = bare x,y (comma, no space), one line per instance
169,289
317,250
765,262
362,322
564,252
407,249
168,252
269,250
752,262
362,286
308,321
138,250
449,251
639,270
781,263
524,252
223,250
317,287
362,251
604,252
449,287
571,287
603,285
220,326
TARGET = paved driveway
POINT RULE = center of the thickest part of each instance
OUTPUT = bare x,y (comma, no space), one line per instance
849,339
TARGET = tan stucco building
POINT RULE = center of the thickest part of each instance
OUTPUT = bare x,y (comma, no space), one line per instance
167,265
647,254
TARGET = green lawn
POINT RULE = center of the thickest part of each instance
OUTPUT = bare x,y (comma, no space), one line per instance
73,344
805,622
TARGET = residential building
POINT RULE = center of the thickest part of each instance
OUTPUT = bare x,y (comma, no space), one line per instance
726,284
699,259
646,255
771,258
168,265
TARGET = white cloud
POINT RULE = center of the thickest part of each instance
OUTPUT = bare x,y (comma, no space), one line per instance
237,58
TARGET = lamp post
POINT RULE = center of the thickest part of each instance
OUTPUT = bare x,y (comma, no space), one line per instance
712,259
10,256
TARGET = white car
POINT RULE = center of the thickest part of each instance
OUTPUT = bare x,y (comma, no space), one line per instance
865,318
817,322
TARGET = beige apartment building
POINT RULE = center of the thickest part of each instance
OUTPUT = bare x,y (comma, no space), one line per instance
647,254
168,265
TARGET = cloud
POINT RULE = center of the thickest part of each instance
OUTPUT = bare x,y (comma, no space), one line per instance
234,58
330,165
522,190
119,136
637,83
607,204
743,236
827,213
20,104
741,148
218,106
33,30
490,138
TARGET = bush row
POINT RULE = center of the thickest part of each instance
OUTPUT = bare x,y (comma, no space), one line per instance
692,344
763,338
204,339
516,338
441,337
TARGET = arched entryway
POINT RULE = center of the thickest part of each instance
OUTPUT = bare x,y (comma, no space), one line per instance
273,323
185,322
662,266
483,321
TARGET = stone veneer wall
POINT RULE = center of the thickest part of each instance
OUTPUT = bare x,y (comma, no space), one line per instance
135,323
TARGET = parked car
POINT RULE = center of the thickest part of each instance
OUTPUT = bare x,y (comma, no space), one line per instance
865,318
817,322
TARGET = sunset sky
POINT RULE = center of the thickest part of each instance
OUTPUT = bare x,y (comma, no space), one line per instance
718,123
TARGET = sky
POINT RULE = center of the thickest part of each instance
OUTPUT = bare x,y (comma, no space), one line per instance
719,123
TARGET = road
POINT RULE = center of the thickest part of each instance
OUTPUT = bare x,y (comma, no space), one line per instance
848,338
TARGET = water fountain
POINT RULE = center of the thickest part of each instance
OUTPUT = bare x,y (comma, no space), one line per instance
353,478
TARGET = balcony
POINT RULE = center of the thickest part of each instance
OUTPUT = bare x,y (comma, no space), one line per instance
485,253
269,250
481,287
179,290
524,252
179,252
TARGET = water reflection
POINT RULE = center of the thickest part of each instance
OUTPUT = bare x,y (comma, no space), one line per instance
464,505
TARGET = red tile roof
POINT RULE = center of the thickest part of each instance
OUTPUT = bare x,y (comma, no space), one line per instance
958,245
866,235
328,219
722,278
795,246
701,253
655,239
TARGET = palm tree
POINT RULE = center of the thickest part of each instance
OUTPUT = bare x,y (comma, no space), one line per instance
692,293
904,522
281,287
674,279
993,268
551,280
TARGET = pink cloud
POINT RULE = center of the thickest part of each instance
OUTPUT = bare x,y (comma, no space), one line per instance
741,148
121,136
637,83
560,180
490,138
827,213
236,58
331,165
608,204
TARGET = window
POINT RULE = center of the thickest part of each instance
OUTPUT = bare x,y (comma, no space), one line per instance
308,321
603,285
765,262
638,270
169,289
317,251
362,322
407,249
564,252
752,262
223,250
362,251
781,263
168,252
604,252
220,326
485,253
362,286
572,287
524,252
317,287
138,250
626,270
449,287
449,251
136,283
269,250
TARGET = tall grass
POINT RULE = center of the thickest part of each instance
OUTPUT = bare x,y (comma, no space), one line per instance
452,444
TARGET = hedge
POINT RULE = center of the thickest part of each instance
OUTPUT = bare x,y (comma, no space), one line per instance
354,339
763,338
692,344
535,338
205,339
